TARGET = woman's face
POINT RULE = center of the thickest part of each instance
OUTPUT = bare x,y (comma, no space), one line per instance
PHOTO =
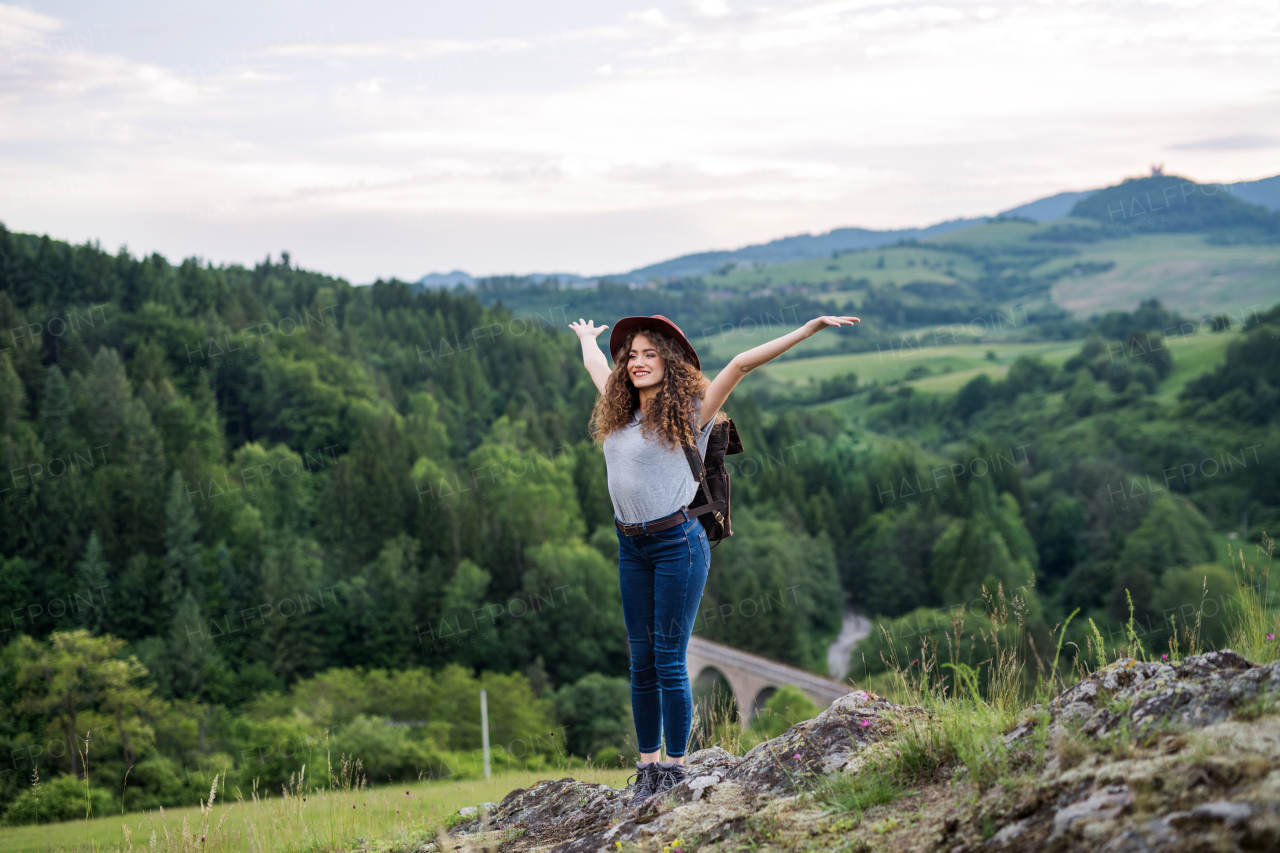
644,365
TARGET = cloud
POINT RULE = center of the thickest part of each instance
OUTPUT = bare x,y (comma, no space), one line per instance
1238,142
738,123
710,8
392,48
22,29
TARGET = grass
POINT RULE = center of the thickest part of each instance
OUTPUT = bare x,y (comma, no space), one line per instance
949,360
1256,626
1193,355
401,817
964,714
1181,270
958,730
902,265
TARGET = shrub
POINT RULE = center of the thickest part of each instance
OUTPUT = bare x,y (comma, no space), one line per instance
155,782
62,798
783,710
1207,591
386,750
596,713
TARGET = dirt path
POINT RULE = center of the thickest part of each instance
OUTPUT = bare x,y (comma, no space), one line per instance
855,627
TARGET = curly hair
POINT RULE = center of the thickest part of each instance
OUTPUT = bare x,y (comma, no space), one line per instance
673,408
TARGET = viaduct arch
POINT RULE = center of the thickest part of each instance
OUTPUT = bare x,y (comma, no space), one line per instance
752,678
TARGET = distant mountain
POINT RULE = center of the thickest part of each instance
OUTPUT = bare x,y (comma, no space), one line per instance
1265,193
797,248
1175,204
1053,207
446,280
458,278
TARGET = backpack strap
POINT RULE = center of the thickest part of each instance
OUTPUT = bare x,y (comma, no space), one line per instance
700,474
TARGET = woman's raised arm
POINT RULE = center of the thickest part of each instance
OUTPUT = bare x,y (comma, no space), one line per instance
743,363
597,365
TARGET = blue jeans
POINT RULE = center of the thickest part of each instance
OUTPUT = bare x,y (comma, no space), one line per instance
662,575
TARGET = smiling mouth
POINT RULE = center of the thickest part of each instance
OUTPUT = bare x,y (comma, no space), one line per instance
640,373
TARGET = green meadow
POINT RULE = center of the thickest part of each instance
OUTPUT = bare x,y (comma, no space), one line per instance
401,817
1181,270
940,361
1186,272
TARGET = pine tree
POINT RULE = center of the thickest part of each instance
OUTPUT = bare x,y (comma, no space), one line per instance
191,651
182,551
93,573
12,396
107,393
55,405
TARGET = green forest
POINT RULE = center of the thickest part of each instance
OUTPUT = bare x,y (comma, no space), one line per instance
252,517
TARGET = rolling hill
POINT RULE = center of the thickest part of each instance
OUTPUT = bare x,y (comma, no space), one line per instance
1263,193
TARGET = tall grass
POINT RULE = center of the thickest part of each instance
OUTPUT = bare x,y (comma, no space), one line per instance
957,717
716,722
961,717
1254,630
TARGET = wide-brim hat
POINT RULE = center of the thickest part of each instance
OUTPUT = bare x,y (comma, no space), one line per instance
623,327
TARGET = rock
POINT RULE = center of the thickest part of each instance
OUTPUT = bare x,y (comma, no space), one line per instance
1103,804
1163,761
1200,692
822,745
1219,812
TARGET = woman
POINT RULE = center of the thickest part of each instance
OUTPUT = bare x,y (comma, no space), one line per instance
653,401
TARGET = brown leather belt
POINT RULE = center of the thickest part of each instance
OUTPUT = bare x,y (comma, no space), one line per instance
680,516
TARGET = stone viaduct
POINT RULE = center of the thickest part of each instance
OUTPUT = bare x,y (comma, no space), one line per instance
754,679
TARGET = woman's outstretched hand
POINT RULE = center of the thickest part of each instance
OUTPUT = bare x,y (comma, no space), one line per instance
587,328
819,323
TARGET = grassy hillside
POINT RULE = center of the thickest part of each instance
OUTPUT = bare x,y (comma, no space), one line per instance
1183,270
894,365
326,819
950,367
1192,273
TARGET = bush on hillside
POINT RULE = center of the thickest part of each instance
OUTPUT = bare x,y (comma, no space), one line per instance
62,798
596,713
788,706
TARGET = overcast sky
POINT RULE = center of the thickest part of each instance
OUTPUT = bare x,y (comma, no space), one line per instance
393,139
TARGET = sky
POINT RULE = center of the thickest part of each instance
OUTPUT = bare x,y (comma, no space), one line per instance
385,138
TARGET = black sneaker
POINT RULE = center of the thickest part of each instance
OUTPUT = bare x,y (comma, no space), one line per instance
646,773
668,774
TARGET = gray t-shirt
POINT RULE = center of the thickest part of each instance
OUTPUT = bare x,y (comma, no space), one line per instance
647,479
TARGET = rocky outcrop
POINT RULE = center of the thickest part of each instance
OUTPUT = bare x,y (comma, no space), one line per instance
1145,756
1139,756
720,793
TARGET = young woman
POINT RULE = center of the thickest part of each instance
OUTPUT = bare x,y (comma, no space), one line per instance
653,401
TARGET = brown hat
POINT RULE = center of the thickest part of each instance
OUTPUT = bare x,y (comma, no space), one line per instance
624,326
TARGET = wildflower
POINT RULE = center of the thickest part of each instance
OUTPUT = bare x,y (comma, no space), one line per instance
797,755
1164,657
1271,636
618,844
865,723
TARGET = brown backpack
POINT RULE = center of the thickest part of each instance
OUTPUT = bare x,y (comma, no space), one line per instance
711,504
